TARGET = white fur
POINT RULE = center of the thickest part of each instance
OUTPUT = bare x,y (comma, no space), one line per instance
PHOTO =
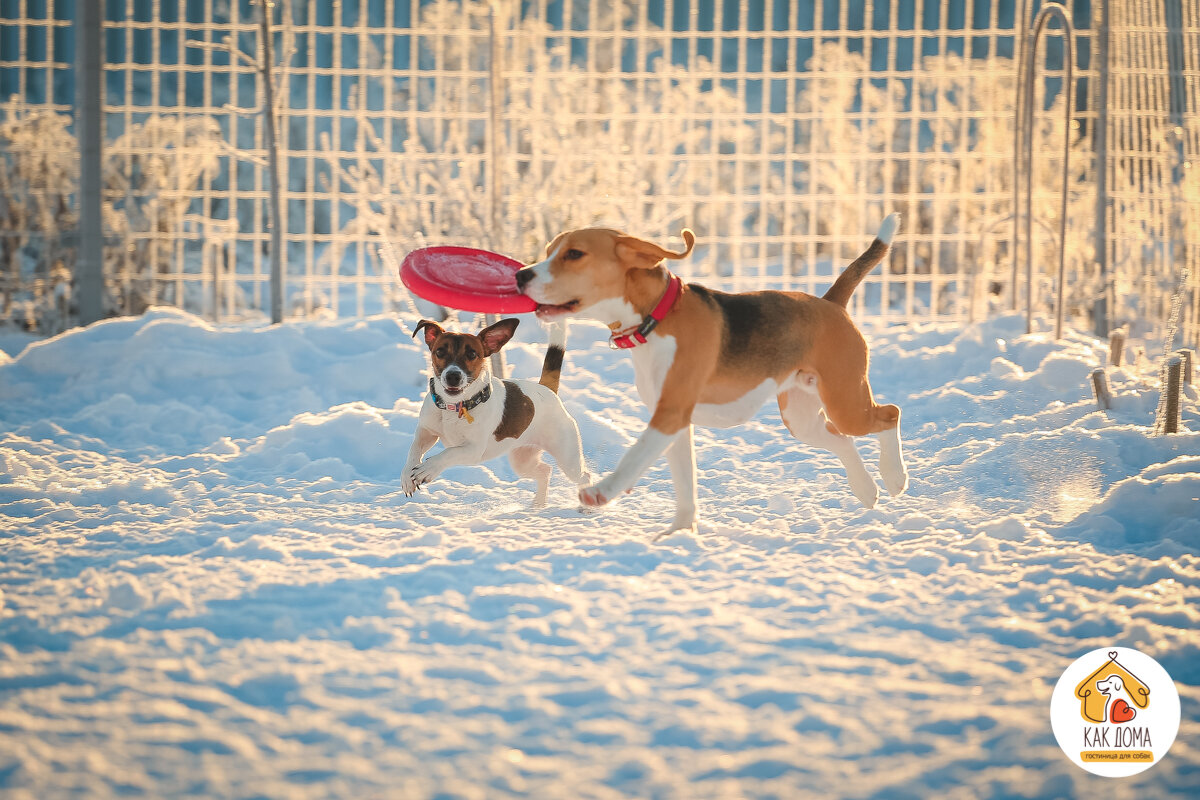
610,311
891,462
681,459
887,231
541,276
552,430
740,411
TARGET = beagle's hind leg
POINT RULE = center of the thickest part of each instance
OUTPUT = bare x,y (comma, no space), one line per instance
854,412
527,463
802,414
891,461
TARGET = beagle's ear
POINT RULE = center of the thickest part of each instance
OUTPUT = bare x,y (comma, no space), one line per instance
637,252
432,331
496,335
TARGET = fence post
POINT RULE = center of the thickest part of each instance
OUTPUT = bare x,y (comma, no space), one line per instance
89,87
496,97
1116,347
1100,307
1172,386
1100,390
272,145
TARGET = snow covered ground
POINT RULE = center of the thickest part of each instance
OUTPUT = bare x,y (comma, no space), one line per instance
212,584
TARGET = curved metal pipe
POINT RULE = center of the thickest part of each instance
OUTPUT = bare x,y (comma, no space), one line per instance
1020,48
1025,130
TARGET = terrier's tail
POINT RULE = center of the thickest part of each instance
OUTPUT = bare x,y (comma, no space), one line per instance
849,280
552,365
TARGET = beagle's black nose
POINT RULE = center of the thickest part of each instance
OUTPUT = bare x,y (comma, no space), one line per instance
524,276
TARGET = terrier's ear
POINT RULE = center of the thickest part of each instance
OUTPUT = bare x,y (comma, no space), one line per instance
497,335
640,253
432,331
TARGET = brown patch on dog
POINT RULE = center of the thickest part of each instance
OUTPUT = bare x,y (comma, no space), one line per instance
518,413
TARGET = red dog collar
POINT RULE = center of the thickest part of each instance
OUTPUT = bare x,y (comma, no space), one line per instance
632,337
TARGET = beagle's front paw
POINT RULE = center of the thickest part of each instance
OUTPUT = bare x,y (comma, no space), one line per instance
592,496
599,493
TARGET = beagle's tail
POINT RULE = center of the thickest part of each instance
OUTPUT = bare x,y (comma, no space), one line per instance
849,280
552,364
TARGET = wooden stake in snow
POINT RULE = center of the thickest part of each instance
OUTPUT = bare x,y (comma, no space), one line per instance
272,145
1100,390
1173,386
1189,361
1116,347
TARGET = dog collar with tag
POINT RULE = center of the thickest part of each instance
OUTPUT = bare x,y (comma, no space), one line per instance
463,408
632,337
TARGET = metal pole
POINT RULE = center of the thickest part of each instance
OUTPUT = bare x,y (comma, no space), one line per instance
89,262
272,144
495,99
1100,312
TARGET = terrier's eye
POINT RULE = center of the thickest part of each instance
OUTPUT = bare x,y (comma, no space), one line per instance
572,255
470,354
440,352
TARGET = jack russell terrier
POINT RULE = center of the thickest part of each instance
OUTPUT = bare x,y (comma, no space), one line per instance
478,417
711,358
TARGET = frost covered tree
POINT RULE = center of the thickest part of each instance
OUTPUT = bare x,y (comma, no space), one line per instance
579,146
149,174
38,175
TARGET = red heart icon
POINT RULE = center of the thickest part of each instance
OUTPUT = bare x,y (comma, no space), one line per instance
1121,712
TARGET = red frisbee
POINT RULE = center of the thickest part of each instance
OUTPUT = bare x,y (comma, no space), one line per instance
465,278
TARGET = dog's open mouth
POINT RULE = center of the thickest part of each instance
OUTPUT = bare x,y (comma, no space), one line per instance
453,390
545,310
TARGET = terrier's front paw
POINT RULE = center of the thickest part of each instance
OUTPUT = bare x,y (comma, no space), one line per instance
407,484
422,474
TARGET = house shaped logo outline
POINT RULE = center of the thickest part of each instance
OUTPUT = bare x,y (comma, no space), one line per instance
1092,702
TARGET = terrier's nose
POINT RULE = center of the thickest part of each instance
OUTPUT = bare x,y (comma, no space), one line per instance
454,378
524,276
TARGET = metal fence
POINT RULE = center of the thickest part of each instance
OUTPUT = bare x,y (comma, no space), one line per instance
782,132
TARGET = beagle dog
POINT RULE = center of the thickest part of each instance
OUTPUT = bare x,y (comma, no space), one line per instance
478,417
710,358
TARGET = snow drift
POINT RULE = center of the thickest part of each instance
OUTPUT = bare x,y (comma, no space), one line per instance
212,584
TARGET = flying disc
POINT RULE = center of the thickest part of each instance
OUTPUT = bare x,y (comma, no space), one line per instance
465,278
